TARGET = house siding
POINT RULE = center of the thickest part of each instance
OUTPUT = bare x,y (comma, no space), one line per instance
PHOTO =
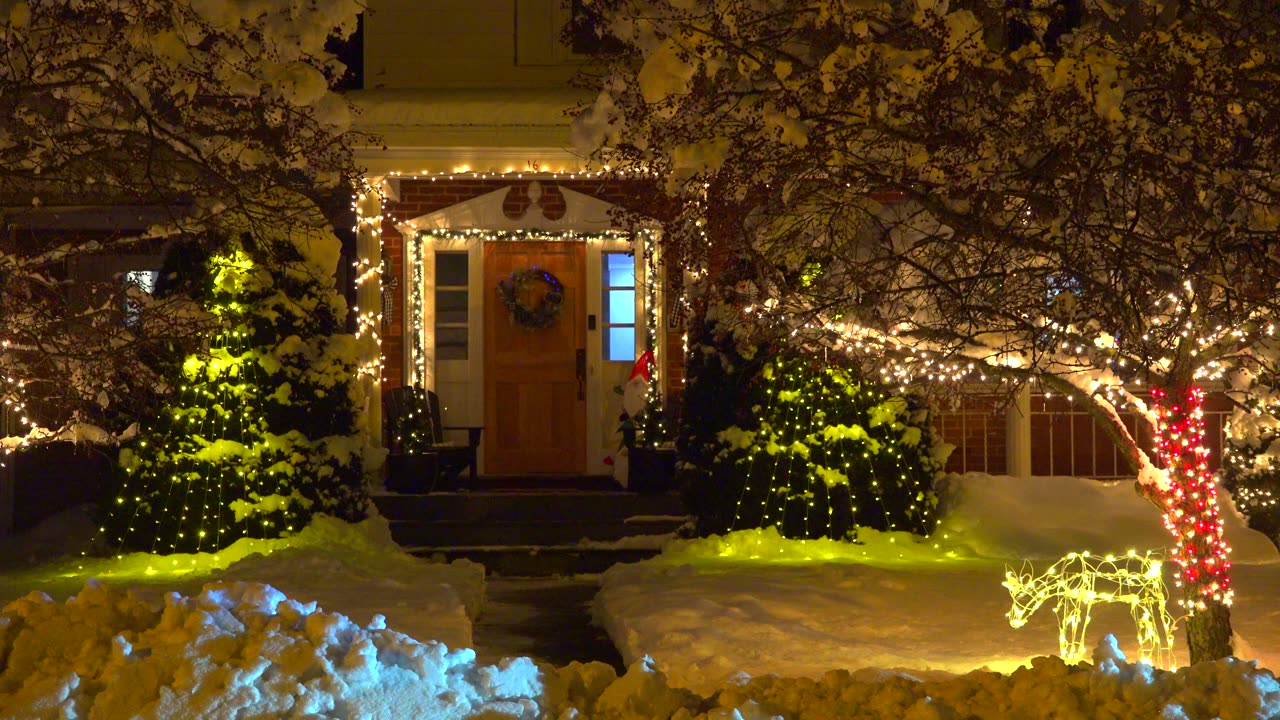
446,44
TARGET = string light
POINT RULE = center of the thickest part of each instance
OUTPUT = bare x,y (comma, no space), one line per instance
536,171
367,204
1079,581
832,452
651,425
1191,503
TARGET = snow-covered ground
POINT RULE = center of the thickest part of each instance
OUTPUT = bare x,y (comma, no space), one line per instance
888,629
752,602
354,569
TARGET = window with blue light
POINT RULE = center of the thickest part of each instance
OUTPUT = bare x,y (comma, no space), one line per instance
452,298
619,281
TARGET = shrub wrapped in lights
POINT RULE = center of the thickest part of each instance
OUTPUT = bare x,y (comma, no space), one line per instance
262,430
1251,457
812,448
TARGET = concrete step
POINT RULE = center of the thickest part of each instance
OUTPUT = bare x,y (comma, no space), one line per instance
542,506
534,532
539,561
500,533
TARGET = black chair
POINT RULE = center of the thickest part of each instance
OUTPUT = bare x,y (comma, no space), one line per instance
421,460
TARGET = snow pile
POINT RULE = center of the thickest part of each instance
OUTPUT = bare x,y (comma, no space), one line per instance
1047,517
234,650
246,650
356,568
1110,688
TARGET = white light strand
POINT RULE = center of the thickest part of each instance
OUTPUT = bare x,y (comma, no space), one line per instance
369,320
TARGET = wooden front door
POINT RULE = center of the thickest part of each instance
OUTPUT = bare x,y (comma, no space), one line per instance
535,384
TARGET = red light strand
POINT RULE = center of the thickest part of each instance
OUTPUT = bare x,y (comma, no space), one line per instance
1191,501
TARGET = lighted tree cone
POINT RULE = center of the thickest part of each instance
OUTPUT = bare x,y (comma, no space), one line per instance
1079,581
1249,469
829,452
264,429
1191,515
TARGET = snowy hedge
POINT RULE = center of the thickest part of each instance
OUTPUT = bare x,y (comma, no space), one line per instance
263,429
1251,462
815,447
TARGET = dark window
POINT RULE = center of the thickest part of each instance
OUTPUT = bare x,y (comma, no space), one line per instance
452,317
137,281
584,35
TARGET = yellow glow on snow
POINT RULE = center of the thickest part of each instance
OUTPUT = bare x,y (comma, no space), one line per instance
766,545
150,568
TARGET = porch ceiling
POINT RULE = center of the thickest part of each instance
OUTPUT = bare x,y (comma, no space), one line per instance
452,130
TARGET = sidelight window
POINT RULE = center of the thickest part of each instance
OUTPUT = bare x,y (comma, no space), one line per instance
451,306
619,282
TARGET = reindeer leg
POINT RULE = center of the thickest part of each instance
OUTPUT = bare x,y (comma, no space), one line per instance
1165,625
1144,621
1069,620
1077,640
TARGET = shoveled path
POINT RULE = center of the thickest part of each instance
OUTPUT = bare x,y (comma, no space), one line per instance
547,619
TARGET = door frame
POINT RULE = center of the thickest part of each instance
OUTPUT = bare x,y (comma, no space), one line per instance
479,294
465,228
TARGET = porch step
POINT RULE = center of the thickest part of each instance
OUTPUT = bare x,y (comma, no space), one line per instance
526,506
534,532
527,533
540,561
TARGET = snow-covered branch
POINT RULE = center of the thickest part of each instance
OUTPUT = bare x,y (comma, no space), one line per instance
189,109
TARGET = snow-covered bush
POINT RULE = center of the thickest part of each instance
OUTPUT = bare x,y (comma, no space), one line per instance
264,427
1079,194
1251,457
813,447
173,112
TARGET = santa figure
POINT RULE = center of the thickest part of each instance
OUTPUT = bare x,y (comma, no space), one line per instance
636,388
634,393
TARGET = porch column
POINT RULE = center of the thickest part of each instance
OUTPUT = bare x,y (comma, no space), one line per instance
369,301
1018,435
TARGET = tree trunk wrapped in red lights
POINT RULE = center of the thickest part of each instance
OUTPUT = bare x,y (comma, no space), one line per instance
1191,515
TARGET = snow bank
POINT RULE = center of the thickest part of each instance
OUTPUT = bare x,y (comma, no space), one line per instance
752,602
356,569
1110,688
246,650
1047,517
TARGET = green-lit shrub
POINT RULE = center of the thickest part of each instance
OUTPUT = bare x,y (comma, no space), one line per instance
262,429
1251,462
807,445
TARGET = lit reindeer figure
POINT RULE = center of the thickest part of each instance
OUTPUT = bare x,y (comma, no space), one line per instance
1079,580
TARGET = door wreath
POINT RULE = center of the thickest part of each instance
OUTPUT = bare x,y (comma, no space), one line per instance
548,309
